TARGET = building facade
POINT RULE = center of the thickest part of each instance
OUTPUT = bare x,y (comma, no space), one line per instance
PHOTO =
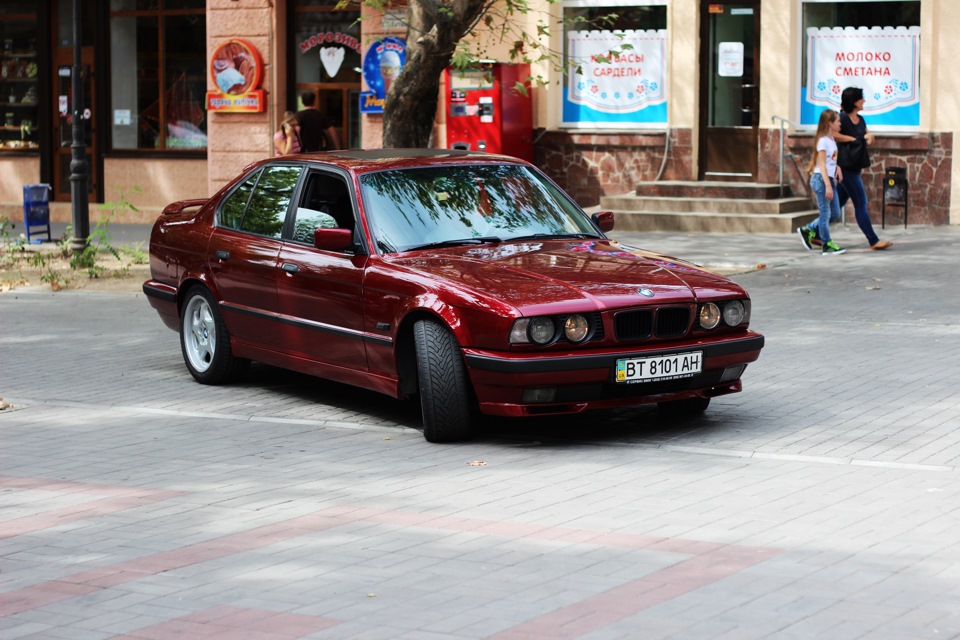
180,95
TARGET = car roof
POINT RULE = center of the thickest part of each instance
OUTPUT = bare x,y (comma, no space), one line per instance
366,160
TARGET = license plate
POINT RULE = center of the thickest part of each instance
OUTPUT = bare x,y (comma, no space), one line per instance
672,367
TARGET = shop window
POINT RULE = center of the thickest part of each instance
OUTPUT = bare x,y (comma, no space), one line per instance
18,77
870,44
158,74
629,90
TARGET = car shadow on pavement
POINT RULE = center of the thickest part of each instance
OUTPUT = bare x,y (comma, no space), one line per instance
334,400
340,402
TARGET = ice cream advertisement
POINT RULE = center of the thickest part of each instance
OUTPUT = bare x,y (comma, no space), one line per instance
236,69
382,64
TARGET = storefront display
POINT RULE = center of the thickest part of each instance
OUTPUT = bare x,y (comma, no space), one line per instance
18,82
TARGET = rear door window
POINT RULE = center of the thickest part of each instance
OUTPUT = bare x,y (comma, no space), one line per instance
267,209
231,211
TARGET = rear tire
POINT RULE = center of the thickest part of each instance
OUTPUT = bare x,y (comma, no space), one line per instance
442,381
684,408
205,341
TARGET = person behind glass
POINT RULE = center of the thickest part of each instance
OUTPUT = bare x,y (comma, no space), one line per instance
316,132
287,139
854,127
824,175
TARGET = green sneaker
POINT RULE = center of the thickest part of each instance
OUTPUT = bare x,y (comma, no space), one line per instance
806,237
831,247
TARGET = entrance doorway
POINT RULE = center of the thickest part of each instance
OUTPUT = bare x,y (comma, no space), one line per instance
339,102
729,90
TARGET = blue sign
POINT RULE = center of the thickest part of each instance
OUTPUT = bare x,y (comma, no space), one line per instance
381,66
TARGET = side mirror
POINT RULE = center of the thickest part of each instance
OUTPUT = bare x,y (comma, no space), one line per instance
604,220
333,239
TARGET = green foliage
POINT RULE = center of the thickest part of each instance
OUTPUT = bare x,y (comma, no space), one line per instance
48,273
100,236
123,204
10,241
137,254
54,278
501,19
99,240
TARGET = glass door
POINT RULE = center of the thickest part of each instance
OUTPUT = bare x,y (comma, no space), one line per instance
729,90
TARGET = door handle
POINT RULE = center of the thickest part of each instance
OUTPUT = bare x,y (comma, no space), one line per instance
289,267
222,255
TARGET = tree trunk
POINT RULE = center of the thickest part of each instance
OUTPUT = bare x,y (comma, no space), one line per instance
411,105
432,36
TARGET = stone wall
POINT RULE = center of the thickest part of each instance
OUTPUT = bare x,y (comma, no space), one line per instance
595,164
928,158
237,139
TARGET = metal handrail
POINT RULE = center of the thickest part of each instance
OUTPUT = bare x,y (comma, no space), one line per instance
783,122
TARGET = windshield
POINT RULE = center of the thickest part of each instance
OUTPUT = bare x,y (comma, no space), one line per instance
466,204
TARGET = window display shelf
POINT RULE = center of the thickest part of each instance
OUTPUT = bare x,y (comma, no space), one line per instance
20,85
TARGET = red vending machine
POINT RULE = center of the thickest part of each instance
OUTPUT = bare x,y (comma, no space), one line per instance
485,112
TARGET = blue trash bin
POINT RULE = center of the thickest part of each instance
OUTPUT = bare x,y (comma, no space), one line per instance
36,211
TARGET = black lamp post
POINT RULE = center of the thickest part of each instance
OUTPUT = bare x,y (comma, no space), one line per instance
78,148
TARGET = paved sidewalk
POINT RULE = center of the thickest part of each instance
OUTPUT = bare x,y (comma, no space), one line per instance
823,501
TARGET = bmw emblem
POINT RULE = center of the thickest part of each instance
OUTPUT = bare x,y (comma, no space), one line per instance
646,293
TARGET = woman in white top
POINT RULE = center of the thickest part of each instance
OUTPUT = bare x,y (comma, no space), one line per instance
824,176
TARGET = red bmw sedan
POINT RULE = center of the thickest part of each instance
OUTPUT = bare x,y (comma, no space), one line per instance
468,280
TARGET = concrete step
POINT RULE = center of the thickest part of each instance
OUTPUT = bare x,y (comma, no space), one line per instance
711,222
712,189
732,206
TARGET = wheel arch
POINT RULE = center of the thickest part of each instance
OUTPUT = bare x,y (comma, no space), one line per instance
188,283
405,349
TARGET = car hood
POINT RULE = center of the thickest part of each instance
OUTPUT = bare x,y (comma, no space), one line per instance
541,276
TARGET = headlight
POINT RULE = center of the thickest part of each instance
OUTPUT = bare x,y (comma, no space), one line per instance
541,330
709,316
733,313
576,328
518,332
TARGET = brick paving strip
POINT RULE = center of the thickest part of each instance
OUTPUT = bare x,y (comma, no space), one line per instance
225,622
707,563
121,499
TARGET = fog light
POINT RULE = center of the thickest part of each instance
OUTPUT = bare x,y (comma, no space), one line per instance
539,395
732,373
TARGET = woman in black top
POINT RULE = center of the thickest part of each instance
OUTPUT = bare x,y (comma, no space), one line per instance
854,127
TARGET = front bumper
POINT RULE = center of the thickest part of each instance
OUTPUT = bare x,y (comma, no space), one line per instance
588,380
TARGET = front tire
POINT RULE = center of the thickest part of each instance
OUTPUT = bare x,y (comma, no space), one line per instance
205,341
442,381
